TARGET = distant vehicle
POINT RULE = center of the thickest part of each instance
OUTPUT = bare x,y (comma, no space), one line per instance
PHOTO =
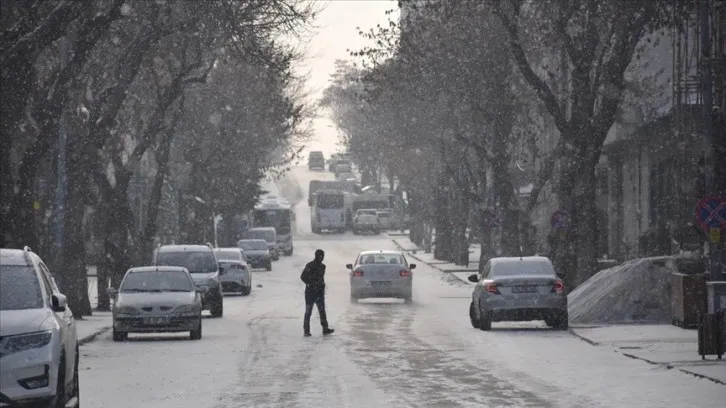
38,339
316,160
346,177
202,264
279,215
328,212
269,235
157,299
366,220
381,274
337,162
237,277
387,220
343,167
518,289
257,253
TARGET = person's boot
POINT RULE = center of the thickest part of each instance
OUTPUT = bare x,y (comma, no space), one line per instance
307,334
327,331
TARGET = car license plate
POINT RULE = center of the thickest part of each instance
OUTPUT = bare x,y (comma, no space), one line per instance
524,289
380,283
156,320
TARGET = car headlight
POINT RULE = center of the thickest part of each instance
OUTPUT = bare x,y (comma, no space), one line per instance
29,341
185,309
126,310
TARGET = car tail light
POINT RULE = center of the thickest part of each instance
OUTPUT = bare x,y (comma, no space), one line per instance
358,273
559,287
405,273
492,288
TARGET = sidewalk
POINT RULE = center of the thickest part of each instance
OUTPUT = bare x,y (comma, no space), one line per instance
89,327
662,345
459,273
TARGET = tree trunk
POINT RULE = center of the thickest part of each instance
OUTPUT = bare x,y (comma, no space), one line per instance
444,248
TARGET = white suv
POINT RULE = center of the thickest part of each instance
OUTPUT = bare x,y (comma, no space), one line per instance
38,343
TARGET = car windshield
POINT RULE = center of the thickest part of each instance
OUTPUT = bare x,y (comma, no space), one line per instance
19,288
524,267
195,262
253,245
380,259
265,235
157,281
330,201
231,254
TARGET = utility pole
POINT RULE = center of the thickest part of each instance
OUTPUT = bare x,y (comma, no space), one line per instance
61,190
704,14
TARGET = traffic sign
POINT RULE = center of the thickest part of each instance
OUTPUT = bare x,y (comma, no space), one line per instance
559,220
711,213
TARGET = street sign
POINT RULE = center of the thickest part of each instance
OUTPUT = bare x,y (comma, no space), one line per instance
711,213
559,220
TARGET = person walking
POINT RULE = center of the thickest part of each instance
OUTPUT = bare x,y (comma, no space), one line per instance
314,278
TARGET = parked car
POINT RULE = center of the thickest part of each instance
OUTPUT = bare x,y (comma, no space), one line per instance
257,252
237,277
38,339
518,289
201,262
366,221
157,299
381,274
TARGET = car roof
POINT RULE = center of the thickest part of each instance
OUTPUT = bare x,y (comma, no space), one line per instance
183,248
232,248
15,257
381,252
513,259
160,268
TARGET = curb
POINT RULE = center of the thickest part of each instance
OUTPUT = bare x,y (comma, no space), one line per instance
667,366
91,337
400,247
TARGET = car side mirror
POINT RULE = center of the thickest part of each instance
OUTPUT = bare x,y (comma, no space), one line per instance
349,266
412,266
111,292
221,270
473,278
58,302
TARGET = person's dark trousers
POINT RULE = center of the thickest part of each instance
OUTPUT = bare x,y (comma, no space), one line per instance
314,296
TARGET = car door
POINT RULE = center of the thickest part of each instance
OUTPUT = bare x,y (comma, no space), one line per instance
65,320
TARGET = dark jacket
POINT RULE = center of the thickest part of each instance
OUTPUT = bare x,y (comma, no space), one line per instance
314,274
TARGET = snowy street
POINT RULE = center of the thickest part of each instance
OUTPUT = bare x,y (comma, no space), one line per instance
383,353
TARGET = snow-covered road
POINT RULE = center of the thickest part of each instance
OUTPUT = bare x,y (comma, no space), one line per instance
383,354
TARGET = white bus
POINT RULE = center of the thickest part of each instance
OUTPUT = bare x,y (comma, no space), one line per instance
279,215
328,211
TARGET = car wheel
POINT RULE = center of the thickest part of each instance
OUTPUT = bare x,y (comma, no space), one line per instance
197,333
119,335
409,298
246,290
59,400
353,298
562,322
485,321
472,316
268,267
217,307
355,231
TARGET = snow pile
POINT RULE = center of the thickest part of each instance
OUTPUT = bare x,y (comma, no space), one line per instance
635,291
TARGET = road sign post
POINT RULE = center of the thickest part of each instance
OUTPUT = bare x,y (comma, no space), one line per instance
711,218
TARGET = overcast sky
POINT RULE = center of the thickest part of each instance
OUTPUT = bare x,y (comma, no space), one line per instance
336,33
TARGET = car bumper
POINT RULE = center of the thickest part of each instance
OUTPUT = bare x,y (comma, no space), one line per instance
29,377
284,247
366,289
235,285
137,324
257,263
367,227
538,308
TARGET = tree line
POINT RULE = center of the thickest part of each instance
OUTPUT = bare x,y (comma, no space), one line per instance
461,103
127,122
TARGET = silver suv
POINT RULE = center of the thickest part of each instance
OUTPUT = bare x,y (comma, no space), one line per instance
202,264
38,341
